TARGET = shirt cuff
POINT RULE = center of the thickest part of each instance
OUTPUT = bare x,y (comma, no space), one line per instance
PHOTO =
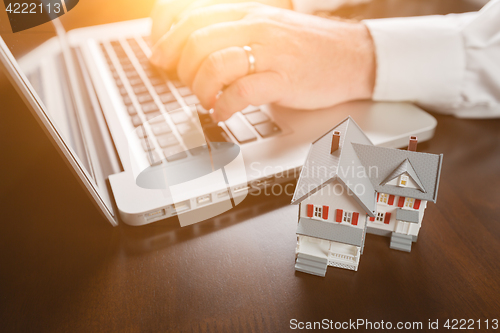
419,59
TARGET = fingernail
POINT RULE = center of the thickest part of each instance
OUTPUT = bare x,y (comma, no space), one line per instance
214,116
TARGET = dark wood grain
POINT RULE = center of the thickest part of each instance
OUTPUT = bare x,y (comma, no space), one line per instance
63,268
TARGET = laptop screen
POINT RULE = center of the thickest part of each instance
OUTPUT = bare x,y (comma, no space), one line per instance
39,55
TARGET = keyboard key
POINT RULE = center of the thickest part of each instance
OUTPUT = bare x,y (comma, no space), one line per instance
150,72
268,129
174,153
167,140
119,83
141,132
250,109
179,117
147,145
240,130
115,74
204,116
141,56
131,110
172,106
144,98
136,121
123,91
184,91
161,128
129,67
146,65
186,129
136,82
167,97
199,150
150,107
257,117
140,89
194,139
177,83
191,100
116,45
131,74
155,118
153,158
161,89
156,81
126,100
215,133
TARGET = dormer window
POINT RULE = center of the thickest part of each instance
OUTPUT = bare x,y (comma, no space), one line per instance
403,181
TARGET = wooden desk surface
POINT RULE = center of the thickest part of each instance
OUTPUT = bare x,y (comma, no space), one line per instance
63,268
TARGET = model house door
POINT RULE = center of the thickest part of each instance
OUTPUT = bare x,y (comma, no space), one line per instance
403,227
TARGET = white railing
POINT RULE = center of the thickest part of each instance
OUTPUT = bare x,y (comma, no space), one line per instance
341,256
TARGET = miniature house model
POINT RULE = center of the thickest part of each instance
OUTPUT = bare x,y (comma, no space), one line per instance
348,187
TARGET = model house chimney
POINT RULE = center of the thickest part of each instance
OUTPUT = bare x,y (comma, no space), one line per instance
412,145
335,141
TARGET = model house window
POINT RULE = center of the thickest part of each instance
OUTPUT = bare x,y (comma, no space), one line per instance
318,211
403,180
383,198
380,217
347,217
409,202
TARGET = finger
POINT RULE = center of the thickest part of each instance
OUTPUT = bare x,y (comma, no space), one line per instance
286,4
256,89
222,68
163,14
216,37
168,50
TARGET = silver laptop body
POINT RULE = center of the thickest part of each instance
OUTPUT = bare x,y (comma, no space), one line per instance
135,128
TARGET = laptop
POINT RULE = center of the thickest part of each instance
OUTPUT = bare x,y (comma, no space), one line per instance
140,143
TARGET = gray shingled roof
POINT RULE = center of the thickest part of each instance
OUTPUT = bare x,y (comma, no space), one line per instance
405,167
426,166
330,231
407,215
321,167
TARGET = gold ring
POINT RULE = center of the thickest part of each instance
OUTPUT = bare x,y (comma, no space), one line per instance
251,59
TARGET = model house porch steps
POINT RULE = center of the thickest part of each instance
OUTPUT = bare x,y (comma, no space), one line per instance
401,242
311,264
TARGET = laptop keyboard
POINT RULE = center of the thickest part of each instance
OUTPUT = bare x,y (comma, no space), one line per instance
149,97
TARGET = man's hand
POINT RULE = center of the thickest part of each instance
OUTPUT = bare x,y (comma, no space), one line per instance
167,12
302,61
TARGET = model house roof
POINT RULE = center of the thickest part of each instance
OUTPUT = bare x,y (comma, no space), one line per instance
424,168
322,167
330,231
356,153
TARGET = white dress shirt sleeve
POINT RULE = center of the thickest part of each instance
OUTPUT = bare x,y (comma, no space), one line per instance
450,63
